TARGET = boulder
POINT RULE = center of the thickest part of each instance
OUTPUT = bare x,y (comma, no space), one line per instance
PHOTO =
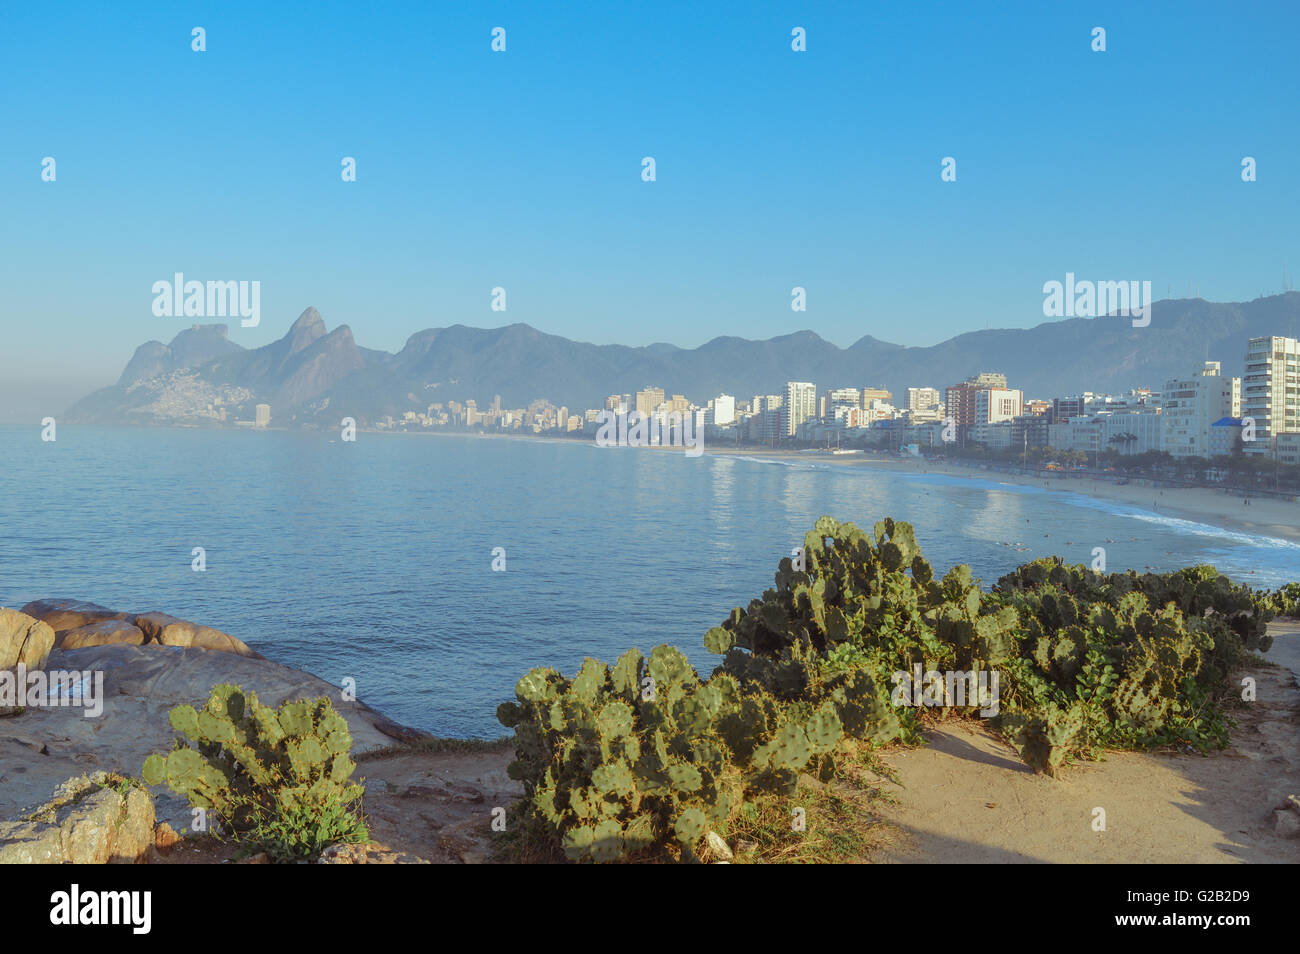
62,615
95,819
104,633
168,630
23,639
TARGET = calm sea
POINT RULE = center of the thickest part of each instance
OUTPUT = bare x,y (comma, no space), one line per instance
374,559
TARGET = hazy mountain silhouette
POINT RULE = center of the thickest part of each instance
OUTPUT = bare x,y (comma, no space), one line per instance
311,374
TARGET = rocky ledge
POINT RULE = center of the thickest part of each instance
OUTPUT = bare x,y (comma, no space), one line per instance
150,663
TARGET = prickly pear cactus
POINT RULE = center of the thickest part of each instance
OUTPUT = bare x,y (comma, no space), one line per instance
254,765
646,756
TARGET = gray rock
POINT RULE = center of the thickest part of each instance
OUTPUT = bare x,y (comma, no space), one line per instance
1287,823
141,685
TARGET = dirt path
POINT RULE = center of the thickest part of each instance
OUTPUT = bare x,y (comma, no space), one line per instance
966,797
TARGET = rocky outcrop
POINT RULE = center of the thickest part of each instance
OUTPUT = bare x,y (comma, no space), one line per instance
78,625
168,630
91,820
104,633
23,639
141,684
63,615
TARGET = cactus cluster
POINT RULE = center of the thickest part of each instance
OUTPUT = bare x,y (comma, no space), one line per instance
280,779
1087,661
621,759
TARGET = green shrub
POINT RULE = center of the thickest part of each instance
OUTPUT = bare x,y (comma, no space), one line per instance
276,780
1285,601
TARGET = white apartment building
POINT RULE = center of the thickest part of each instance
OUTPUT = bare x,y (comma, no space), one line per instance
721,411
998,404
1270,395
800,405
1191,406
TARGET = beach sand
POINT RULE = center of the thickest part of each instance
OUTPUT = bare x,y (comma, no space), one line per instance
966,797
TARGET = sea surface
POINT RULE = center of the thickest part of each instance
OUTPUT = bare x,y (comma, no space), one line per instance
373,560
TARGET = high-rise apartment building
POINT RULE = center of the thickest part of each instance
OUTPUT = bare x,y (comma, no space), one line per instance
263,415
962,400
1270,396
649,399
800,405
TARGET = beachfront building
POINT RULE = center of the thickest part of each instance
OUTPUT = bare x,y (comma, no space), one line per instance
1225,437
1191,407
765,424
800,405
263,415
647,400
1128,431
721,411
962,401
1270,395
998,404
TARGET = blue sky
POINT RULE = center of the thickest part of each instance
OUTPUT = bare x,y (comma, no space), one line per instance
522,169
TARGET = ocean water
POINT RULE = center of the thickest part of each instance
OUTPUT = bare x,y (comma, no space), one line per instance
373,560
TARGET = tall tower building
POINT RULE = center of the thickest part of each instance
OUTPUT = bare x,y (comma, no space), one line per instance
800,405
1270,395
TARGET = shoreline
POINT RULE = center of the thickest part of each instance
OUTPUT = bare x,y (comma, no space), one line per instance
1269,517
1264,517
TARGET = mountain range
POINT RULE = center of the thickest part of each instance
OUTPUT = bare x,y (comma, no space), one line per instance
312,375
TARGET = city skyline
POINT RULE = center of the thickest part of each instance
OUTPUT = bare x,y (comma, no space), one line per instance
1206,415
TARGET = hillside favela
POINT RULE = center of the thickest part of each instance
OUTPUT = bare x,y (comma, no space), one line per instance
598,434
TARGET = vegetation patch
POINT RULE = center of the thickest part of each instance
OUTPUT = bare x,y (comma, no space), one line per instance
273,780
643,760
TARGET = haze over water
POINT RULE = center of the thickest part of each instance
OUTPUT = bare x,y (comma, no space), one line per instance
373,559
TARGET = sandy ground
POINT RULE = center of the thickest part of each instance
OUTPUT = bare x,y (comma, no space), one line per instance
967,798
